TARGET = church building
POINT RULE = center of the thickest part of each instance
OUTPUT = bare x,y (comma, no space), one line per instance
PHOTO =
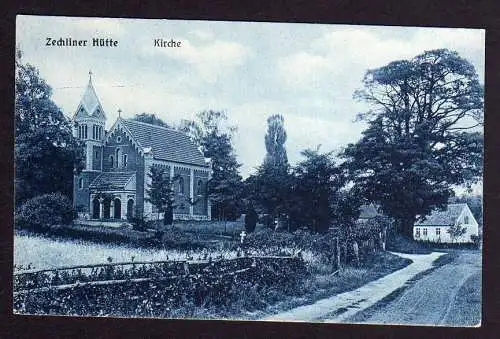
112,186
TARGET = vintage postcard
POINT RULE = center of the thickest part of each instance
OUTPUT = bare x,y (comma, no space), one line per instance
248,171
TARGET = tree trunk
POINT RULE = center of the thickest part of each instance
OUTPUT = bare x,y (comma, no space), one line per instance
405,227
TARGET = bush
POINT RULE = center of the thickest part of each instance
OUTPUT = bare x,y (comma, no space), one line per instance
44,211
250,220
476,240
138,223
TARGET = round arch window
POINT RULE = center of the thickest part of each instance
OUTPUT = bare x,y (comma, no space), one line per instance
118,139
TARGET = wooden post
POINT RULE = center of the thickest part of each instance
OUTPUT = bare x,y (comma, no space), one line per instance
337,248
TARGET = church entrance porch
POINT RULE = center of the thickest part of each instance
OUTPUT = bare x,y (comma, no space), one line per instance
111,206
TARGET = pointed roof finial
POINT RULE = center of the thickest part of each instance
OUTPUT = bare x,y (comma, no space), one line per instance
90,75
119,113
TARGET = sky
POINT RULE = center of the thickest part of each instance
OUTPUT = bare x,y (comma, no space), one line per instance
306,72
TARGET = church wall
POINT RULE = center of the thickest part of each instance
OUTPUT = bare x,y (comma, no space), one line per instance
181,196
97,155
140,180
126,147
201,199
81,199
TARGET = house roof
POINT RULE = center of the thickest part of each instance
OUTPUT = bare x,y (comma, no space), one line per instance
368,211
165,143
112,180
445,217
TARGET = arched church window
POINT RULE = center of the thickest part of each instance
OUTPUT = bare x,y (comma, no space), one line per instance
80,183
200,187
117,155
111,160
181,185
124,160
118,139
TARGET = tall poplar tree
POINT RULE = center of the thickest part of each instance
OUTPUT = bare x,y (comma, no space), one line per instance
271,187
211,132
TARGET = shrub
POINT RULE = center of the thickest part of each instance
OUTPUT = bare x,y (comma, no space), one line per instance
476,240
138,223
44,211
250,220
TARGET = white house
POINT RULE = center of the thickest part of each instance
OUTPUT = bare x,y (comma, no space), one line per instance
435,226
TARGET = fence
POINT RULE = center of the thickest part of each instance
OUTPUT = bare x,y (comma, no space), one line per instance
123,288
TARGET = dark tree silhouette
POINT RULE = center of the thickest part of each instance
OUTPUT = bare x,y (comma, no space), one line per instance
422,137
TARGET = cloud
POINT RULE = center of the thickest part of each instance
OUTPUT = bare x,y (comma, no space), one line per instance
308,73
303,70
212,60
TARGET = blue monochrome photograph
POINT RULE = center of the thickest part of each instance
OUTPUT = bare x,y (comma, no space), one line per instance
258,171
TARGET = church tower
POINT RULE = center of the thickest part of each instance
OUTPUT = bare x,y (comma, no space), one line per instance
89,121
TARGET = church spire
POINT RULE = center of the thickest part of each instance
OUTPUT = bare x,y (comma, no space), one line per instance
90,105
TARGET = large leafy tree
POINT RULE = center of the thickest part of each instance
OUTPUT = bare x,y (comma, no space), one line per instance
150,118
317,190
160,192
423,134
46,153
212,133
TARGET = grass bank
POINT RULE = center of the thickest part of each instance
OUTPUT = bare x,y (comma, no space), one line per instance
323,282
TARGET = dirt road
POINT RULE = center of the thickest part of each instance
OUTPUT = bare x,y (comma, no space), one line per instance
339,307
448,296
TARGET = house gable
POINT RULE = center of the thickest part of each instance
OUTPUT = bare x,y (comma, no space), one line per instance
435,227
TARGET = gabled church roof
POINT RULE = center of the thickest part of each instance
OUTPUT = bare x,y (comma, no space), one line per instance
90,102
112,180
445,217
165,143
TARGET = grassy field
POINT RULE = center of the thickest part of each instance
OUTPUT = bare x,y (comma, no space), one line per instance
40,252
217,240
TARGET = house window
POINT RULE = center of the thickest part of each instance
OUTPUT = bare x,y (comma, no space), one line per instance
124,160
85,131
181,185
200,187
417,232
97,155
466,220
424,231
438,231
80,183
